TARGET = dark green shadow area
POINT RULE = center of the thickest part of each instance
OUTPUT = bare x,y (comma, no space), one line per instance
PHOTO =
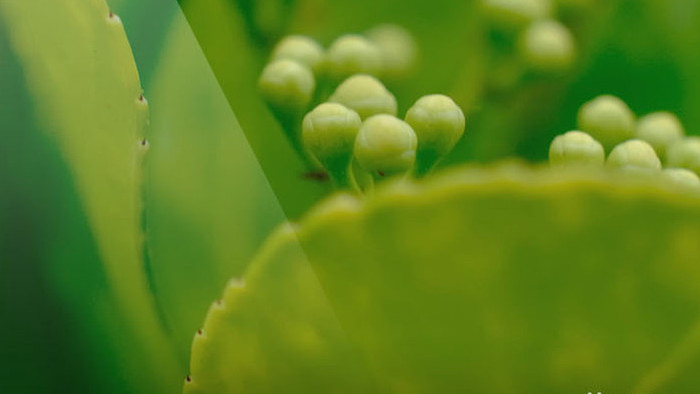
40,351
56,306
35,337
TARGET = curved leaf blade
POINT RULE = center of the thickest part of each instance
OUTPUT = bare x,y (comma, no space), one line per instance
515,281
208,204
81,73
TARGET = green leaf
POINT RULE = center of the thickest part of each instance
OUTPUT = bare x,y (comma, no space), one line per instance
81,74
495,280
274,333
237,63
208,203
39,333
147,23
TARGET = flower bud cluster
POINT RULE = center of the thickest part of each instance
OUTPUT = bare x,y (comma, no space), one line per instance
637,146
300,71
386,51
360,122
383,51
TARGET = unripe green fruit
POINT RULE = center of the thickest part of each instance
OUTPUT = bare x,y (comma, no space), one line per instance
634,154
660,130
438,123
287,85
329,133
682,178
366,95
353,54
516,13
301,49
397,48
685,153
576,148
547,45
607,119
385,145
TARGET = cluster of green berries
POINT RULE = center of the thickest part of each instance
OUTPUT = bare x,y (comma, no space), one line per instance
543,43
607,124
298,62
359,122
354,132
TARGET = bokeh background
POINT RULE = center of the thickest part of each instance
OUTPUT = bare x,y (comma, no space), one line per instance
220,175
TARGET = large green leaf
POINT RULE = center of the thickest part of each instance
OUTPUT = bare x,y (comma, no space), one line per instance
81,74
274,333
208,204
493,280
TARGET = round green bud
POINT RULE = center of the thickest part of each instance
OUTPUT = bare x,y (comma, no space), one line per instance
438,123
329,133
385,145
660,130
634,154
608,119
397,47
366,95
287,85
353,54
576,148
516,13
682,178
685,153
547,45
302,49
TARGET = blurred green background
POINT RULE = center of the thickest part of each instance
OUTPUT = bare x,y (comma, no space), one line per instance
220,176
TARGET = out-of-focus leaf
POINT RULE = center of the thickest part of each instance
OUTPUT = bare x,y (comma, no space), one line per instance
237,62
83,80
146,23
275,333
208,204
38,336
516,280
